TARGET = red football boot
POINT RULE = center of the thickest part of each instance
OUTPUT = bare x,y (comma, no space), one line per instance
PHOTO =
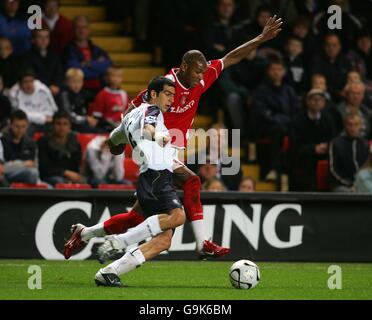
75,241
211,249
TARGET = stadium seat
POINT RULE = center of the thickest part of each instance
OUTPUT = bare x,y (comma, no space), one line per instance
84,139
116,187
19,185
82,186
131,170
322,172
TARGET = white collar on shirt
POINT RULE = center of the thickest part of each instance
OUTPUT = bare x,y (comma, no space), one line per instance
51,22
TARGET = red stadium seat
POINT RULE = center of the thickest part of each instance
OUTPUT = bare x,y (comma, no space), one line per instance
116,187
82,186
322,172
19,185
131,170
84,139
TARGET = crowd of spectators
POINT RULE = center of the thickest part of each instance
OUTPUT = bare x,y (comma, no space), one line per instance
310,85
54,83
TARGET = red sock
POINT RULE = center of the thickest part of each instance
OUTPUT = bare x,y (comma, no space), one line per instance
121,222
191,199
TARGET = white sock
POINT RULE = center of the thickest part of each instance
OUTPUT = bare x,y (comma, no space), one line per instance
199,233
148,228
94,231
132,259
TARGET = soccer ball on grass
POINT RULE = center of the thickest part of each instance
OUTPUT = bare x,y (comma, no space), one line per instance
244,274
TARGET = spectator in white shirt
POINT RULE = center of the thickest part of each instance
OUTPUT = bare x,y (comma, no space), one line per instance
35,99
103,167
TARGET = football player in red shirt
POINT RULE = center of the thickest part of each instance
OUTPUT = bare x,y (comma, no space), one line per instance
193,78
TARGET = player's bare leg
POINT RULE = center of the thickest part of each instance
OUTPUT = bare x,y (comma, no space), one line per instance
134,258
151,227
190,183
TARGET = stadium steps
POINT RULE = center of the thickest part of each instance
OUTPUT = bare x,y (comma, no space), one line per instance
262,186
114,44
106,28
235,151
251,170
141,74
203,122
130,59
94,13
133,88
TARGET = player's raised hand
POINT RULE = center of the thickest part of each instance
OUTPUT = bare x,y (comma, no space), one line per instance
271,28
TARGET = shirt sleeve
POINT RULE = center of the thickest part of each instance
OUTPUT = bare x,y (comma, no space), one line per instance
117,136
151,115
214,69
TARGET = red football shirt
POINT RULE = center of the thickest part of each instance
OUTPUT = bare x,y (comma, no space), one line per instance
109,104
181,115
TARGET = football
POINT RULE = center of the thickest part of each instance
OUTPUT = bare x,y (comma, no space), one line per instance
244,274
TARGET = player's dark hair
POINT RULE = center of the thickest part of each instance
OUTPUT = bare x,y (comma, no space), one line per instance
157,84
18,115
61,115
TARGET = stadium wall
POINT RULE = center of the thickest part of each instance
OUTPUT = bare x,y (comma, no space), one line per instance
257,226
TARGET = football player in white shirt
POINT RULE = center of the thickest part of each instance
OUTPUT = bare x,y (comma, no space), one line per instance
149,137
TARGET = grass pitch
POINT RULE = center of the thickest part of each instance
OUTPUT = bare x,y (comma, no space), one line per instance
174,280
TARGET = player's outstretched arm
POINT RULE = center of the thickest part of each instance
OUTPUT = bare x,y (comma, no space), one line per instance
116,141
270,31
